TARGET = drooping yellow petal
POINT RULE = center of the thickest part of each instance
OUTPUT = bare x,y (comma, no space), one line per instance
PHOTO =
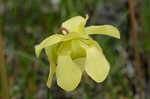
96,65
51,53
54,39
91,42
80,62
108,30
68,73
75,24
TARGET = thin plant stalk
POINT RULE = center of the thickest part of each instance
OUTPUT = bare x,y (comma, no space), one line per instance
3,71
134,42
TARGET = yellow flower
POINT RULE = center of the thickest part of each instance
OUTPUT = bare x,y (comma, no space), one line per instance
74,51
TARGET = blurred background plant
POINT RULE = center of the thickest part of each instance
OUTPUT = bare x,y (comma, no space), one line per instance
24,23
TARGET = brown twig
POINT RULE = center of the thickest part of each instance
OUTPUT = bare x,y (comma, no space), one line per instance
134,42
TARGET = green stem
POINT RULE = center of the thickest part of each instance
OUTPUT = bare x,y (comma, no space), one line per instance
3,71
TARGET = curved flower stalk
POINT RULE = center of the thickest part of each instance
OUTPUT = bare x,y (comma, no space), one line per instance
74,52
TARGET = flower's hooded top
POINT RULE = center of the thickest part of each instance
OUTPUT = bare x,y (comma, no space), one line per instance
74,52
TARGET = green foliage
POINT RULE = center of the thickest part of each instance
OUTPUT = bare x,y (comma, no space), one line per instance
146,26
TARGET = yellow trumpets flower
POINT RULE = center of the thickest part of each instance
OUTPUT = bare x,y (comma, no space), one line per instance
74,51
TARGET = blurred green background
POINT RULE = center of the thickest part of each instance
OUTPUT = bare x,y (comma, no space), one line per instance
25,23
